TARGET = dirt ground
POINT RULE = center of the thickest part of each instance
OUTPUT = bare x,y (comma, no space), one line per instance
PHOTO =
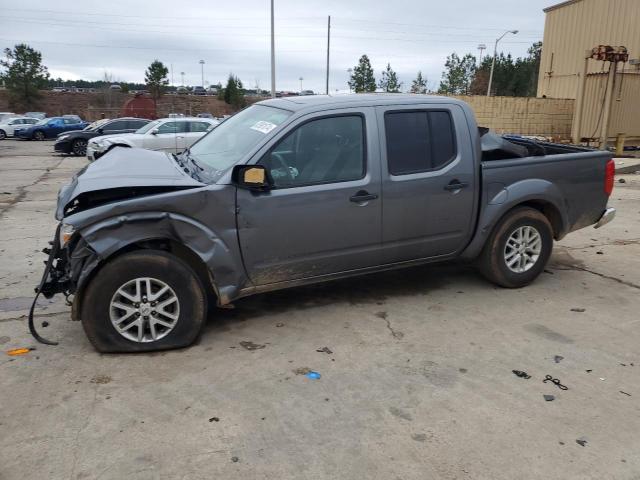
416,377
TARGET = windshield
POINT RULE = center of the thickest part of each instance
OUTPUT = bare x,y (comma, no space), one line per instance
225,145
148,126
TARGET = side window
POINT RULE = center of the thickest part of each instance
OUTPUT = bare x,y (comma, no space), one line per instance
168,127
200,126
69,121
114,126
418,141
326,150
135,124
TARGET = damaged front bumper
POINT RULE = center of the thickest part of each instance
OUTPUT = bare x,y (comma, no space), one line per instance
64,271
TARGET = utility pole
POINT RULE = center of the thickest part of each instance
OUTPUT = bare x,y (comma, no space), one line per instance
577,118
493,62
182,75
273,57
301,79
328,46
201,62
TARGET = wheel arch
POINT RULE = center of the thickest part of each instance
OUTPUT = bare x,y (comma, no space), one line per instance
218,268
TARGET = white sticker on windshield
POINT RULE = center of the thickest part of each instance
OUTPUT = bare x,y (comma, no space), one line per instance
263,127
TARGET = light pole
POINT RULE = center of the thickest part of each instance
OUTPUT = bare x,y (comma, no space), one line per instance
349,71
182,75
493,62
482,47
301,79
201,62
273,57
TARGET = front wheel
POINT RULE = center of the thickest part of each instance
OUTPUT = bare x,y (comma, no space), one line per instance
79,147
143,301
38,135
3,134
518,249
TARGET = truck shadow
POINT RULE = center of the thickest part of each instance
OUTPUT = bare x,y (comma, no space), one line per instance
373,288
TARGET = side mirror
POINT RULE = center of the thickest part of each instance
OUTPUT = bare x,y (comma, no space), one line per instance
154,131
252,177
100,131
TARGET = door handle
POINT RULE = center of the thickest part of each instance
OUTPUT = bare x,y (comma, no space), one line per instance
455,185
362,196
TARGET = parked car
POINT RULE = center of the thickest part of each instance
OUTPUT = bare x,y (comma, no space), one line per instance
198,90
182,90
4,115
115,87
168,134
295,191
59,89
205,115
50,127
10,124
307,92
75,142
38,115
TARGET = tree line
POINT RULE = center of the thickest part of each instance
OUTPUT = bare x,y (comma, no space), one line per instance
462,76
25,75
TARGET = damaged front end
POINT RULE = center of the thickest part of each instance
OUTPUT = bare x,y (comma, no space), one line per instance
68,254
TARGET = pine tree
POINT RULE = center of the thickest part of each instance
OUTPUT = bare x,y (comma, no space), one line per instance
389,81
233,92
459,74
156,78
362,79
419,85
24,75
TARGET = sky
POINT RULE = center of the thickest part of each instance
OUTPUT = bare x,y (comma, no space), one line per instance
86,39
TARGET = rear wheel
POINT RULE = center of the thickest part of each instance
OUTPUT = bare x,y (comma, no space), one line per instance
3,134
38,135
143,301
518,249
79,147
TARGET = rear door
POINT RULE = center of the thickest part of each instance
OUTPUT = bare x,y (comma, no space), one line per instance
428,181
196,130
323,214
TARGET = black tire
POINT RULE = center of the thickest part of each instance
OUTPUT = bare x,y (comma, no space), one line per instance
39,135
492,262
3,134
79,147
96,302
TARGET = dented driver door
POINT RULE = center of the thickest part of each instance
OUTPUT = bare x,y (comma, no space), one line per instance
323,213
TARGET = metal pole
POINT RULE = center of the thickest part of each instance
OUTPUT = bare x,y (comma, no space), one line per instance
577,119
493,64
273,57
202,72
611,80
328,46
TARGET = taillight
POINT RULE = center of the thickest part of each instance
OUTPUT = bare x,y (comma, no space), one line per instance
609,172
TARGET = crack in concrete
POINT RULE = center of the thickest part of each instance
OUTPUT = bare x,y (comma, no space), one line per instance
615,243
39,315
21,192
602,275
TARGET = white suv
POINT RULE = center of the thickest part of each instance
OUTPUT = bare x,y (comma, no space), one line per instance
10,124
167,134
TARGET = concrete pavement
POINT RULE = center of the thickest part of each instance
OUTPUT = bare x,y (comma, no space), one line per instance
418,384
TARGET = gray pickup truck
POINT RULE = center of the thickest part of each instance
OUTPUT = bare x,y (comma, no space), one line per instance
303,190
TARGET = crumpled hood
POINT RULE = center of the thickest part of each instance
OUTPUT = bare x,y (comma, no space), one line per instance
122,170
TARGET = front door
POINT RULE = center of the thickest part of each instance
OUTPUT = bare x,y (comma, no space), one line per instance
169,137
428,182
323,214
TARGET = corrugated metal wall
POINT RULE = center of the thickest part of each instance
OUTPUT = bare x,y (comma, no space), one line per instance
581,25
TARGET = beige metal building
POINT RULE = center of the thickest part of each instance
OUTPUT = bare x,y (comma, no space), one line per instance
571,28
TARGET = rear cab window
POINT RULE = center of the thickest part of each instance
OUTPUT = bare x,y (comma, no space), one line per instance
419,140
